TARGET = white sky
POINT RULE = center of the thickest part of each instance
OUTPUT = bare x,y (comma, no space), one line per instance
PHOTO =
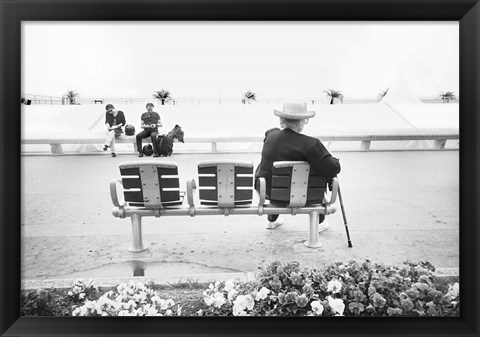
204,59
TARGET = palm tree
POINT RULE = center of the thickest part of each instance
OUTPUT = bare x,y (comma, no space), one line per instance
334,94
163,96
382,94
248,97
447,96
70,96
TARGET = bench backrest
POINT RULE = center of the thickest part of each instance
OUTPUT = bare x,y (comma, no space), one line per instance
295,184
225,183
150,184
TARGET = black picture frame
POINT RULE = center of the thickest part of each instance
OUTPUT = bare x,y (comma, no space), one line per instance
13,12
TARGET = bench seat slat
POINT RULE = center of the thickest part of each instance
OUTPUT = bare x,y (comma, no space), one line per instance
131,183
280,194
208,195
133,196
315,195
169,183
281,181
207,169
243,170
241,195
244,181
169,196
316,181
131,171
208,181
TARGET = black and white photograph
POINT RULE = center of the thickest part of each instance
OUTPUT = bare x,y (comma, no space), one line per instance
240,169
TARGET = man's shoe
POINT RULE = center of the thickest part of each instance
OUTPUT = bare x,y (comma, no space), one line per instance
113,154
156,155
274,224
140,154
323,226
105,147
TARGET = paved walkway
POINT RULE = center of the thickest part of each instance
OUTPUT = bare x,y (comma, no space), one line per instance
399,205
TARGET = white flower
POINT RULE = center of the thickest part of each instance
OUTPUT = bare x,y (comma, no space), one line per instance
156,299
262,294
317,307
218,300
336,304
81,296
168,312
84,311
163,304
454,290
76,312
229,285
210,286
217,284
231,294
238,310
208,300
244,302
334,286
76,289
170,302
200,312
70,293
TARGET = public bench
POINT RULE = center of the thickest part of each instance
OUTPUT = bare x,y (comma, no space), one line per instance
152,189
439,136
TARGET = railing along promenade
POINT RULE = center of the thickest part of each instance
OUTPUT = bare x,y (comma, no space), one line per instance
52,100
438,136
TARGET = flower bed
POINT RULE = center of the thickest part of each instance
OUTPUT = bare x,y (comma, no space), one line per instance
279,289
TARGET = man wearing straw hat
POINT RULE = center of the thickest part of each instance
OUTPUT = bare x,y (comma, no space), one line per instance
288,143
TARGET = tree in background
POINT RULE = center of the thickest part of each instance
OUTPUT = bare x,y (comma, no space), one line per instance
248,97
163,96
70,97
334,94
447,96
382,94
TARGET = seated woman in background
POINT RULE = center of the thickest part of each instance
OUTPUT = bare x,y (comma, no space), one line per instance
114,121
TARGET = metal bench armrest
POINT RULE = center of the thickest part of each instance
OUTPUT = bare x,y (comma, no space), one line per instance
191,186
262,191
333,194
113,192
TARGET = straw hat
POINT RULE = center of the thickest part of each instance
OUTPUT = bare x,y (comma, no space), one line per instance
294,109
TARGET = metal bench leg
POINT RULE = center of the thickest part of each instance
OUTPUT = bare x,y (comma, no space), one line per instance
313,241
137,243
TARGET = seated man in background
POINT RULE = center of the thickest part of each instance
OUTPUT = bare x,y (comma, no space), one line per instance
150,123
114,121
290,144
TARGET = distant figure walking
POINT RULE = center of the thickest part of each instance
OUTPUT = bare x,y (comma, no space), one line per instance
290,144
114,121
150,123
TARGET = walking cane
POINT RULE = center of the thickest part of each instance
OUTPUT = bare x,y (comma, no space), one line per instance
344,217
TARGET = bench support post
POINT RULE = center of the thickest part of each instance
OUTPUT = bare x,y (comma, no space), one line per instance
313,241
439,144
137,243
56,149
365,145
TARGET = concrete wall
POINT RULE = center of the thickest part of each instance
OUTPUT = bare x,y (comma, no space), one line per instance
241,120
